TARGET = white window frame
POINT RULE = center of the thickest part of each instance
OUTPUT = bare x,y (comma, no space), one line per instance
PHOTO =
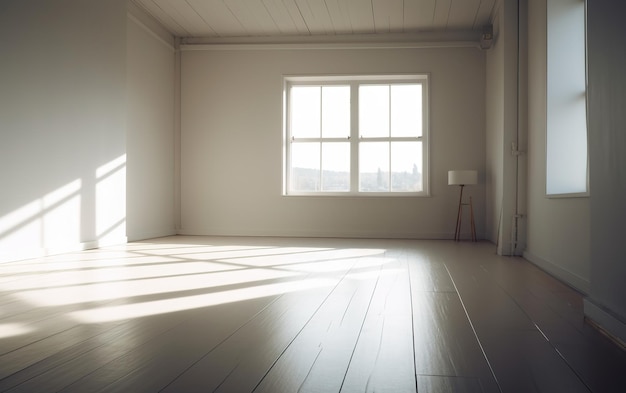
354,138
566,100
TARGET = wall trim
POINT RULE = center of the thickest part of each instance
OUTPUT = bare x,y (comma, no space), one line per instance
150,32
605,321
143,21
329,45
324,234
151,235
465,38
579,283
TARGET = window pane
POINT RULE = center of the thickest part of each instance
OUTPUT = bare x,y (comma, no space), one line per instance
305,111
305,166
406,110
406,166
335,111
374,166
336,166
566,139
374,111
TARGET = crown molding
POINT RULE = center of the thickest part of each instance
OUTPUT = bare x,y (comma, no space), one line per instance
456,39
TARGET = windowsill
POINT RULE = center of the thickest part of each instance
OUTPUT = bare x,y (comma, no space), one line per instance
566,196
360,195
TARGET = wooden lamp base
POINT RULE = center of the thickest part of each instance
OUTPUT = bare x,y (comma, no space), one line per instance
459,217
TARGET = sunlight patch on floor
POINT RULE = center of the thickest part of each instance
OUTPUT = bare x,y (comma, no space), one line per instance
143,279
144,309
297,256
13,329
112,274
68,264
126,289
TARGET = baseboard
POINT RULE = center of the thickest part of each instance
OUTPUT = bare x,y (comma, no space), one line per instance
134,237
606,321
319,234
579,283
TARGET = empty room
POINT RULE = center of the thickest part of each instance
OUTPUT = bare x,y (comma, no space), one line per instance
312,196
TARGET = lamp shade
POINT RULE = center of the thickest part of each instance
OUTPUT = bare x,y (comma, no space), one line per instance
462,178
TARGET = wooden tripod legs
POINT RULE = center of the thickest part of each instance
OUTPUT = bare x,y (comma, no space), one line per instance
459,218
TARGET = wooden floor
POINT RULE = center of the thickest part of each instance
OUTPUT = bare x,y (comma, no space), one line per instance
204,314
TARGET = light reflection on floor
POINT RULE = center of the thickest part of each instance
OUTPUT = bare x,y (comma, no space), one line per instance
13,329
150,278
136,310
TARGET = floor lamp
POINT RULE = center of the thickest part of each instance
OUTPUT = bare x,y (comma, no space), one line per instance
463,178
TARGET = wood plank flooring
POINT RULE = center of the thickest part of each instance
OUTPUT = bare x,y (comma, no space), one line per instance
224,314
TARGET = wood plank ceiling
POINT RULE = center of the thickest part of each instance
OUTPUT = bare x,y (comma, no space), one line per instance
280,18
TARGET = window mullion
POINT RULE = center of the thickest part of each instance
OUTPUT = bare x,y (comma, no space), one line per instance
289,146
389,143
321,179
389,166
354,137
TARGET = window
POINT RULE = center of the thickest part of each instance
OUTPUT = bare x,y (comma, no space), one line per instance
566,132
362,135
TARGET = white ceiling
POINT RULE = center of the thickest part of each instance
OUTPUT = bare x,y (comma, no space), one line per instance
281,18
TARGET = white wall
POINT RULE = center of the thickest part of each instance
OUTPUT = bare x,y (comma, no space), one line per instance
558,228
62,125
607,143
232,144
150,138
